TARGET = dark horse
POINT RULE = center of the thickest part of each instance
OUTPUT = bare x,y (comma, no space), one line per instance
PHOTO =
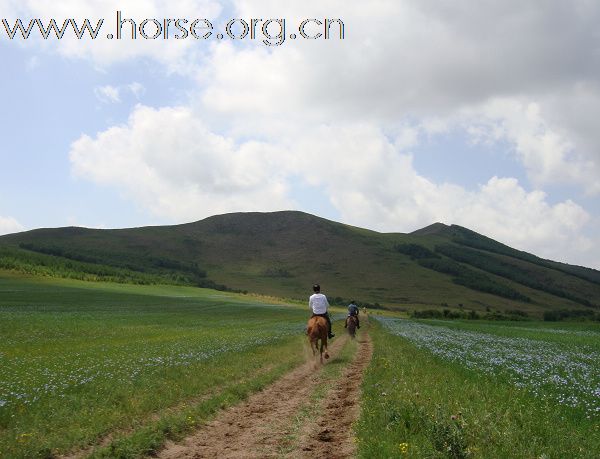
351,324
317,330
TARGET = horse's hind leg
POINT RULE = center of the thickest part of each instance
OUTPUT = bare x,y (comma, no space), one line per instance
324,347
321,352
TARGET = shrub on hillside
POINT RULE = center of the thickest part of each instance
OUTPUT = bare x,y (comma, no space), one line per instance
571,314
277,273
467,277
428,314
508,270
415,251
466,237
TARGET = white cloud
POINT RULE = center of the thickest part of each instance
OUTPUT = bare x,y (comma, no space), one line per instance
172,165
420,56
108,94
137,89
9,225
427,64
548,156
502,209
112,94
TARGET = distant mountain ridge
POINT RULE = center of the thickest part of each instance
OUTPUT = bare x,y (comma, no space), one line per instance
284,253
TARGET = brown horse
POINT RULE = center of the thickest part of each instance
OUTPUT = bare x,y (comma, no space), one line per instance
351,325
317,330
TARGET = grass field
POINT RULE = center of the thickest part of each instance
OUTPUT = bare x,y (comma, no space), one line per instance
114,370
462,389
79,361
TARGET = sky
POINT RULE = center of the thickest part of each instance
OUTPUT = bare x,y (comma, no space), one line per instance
482,114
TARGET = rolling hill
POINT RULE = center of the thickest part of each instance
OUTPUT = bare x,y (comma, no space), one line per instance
284,253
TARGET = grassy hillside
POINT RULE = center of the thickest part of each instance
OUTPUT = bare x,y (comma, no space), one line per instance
283,253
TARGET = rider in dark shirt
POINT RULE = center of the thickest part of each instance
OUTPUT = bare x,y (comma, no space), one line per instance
352,311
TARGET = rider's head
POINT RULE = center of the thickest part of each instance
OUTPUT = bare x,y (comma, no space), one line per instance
316,288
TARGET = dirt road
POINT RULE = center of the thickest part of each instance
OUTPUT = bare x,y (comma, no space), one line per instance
302,415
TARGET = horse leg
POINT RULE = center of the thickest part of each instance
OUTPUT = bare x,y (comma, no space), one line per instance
321,352
314,344
324,345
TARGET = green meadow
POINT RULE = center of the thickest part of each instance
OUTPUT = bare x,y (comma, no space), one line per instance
82,362
115,370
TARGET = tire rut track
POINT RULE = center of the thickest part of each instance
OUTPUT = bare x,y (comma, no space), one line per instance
256,428
266,424
333,436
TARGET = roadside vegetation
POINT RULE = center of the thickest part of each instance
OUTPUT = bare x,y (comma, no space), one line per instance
460,390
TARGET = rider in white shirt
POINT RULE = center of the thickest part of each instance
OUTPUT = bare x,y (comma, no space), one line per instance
319,305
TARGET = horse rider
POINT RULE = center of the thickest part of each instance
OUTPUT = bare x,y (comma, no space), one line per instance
319,305
352,311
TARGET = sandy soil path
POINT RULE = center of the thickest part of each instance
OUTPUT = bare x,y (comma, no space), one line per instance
332,435
266,425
